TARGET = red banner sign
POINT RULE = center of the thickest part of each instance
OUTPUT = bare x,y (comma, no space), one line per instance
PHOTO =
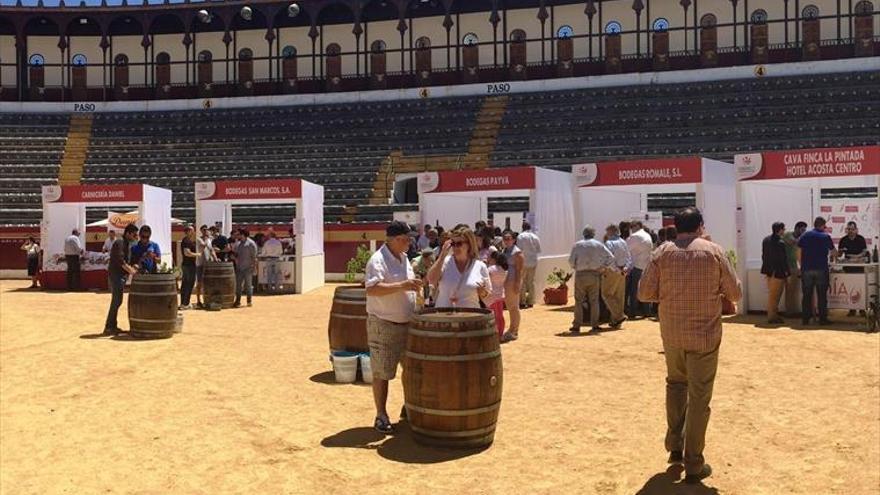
250,189
478,180
94,193
802,164
640,172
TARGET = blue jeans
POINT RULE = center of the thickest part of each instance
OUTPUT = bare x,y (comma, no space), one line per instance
117,285
814,280
244,282
634,307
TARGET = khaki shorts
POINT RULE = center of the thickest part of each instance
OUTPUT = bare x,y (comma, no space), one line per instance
387,342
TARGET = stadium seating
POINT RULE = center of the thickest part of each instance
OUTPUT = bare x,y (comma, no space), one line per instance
342,146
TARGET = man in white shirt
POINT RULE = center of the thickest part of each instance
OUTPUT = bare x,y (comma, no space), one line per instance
640,248
391,286
73,249
614,280
530,245
272,249
108,242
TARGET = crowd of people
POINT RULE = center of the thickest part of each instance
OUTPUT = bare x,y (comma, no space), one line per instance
495,268
609,272
801,258
686,274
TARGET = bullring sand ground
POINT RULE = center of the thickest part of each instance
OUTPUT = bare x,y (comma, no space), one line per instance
243,402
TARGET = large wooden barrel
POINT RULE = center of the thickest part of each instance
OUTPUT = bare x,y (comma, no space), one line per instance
347,330
152,306
219,283
452,377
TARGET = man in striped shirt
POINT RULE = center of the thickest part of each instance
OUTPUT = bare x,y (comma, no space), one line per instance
688,277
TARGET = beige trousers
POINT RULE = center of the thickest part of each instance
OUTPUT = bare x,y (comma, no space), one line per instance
613,292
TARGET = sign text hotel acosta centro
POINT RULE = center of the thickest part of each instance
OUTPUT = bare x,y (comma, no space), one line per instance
802,164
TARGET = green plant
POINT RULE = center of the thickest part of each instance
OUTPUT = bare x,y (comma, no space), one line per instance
358,264
164,268
558,277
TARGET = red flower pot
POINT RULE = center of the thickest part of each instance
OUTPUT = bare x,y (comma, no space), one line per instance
556,296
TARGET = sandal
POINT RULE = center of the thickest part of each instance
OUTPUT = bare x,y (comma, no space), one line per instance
509,336
382,425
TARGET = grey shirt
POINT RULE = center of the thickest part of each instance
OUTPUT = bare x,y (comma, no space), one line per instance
590,254
245,254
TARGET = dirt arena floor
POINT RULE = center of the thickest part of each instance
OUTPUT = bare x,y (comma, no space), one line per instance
243,402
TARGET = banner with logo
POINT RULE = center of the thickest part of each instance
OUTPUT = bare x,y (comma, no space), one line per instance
639,172
118,221
802,164
847,291
865,212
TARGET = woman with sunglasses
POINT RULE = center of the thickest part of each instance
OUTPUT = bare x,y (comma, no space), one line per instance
461,279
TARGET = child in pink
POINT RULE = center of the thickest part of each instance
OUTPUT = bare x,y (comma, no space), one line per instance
497,275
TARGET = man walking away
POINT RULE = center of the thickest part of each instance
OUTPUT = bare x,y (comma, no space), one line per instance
688,277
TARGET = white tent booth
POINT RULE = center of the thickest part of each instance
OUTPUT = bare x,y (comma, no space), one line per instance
64,209
610,192
214,202
788,186
448,198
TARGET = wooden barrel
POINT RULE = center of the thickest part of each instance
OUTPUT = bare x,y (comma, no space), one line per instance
347,330
152,306
452,377
219,283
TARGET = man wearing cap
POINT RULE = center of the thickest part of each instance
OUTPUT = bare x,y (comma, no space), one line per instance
391,285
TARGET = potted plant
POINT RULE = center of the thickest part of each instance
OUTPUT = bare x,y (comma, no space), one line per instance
728,307
357,265
558,295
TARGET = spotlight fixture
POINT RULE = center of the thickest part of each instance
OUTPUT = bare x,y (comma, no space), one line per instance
246,13
293,10
204,16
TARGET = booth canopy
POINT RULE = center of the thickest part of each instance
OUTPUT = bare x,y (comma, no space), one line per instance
460,196
64,208
614,191
214,202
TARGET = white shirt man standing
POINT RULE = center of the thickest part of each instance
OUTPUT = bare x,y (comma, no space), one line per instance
73,249
108,242
640,248
530,245
391,291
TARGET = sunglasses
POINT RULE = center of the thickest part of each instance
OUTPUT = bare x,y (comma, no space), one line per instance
458,243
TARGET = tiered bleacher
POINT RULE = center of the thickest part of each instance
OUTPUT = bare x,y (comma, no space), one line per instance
31,147
342,146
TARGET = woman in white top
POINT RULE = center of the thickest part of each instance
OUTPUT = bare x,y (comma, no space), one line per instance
461,279
513,284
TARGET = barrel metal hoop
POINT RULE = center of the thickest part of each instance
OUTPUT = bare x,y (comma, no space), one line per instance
153,294
450,335
150,320
351,302
458,357
453,412
453,434
348,317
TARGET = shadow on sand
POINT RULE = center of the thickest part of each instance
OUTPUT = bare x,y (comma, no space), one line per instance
399,447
